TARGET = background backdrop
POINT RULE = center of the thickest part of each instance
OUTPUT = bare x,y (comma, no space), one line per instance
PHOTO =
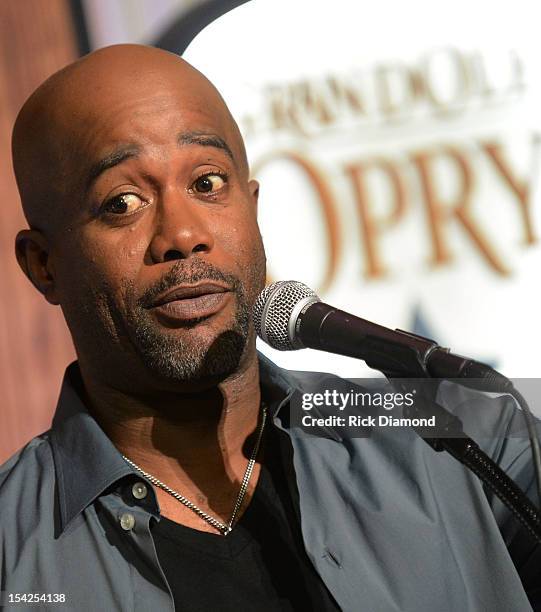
397,145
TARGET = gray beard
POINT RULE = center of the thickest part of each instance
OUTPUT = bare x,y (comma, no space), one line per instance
187,359
176,360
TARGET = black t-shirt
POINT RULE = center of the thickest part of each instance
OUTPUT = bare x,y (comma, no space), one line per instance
260,566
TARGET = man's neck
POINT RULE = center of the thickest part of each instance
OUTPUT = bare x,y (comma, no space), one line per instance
196,443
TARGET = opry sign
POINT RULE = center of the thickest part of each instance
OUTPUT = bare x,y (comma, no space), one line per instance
377,145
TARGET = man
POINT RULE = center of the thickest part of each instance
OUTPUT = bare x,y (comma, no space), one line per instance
171,477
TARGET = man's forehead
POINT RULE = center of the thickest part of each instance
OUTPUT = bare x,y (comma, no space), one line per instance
143,123
159,110
106,96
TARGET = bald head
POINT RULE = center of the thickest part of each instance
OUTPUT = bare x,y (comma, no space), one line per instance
66,121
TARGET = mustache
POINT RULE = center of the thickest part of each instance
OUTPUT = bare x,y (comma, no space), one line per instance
189,273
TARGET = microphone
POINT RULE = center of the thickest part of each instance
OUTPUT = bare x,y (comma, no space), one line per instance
288,315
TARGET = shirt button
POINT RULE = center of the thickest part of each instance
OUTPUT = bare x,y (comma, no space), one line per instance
139,490
127,521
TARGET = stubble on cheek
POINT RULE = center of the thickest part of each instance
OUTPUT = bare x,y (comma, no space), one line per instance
93,297
106,289
97,314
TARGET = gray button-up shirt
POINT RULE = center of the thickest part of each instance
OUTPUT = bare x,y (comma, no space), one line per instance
389,524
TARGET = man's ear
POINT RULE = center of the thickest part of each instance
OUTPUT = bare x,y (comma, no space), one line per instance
32,251
253,188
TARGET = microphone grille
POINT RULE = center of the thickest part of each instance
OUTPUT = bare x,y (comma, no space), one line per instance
276,310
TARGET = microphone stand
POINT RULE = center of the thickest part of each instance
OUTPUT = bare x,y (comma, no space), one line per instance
420,357
466,450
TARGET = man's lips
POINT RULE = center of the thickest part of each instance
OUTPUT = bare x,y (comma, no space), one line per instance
186,303
185,292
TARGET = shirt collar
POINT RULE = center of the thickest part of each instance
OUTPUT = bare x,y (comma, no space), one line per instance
87,462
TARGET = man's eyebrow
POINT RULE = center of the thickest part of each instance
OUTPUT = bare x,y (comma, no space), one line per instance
132,151
205,140
112,159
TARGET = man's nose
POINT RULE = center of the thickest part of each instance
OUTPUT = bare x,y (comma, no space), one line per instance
181,231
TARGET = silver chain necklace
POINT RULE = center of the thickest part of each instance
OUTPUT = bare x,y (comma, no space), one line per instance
222,527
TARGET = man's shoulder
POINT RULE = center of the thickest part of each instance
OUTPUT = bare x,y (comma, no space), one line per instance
310,380
26,472
494,420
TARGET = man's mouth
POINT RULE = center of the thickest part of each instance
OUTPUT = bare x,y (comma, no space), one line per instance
186,303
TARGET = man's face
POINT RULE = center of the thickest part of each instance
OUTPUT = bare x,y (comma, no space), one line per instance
160,258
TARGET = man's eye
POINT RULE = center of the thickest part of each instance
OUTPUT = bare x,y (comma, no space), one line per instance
209,183
123,204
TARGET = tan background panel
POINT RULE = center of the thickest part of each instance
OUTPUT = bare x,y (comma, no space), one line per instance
36,39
